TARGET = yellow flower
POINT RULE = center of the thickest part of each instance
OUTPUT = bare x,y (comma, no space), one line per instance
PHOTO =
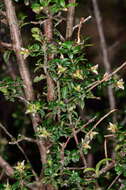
42,132
61,69
78,88
7,186
25,52
94,69
120,84
78,74
85,145
92,134
20,166
112,127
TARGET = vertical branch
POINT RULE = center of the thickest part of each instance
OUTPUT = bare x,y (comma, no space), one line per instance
106,62
48,29
70,20
48,32
23,68
17,44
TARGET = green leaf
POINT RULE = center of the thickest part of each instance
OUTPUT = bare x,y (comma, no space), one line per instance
35,30
62,3
81,104
72,5
98,165
36,33
89,170
37,8
39,78
64,92
45,3
6,55
68,44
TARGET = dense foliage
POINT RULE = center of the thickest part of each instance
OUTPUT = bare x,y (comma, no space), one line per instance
65,82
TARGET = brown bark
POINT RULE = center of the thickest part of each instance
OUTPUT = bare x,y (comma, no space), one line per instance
48,32
70,20
7,168
106,62
17,44
23,69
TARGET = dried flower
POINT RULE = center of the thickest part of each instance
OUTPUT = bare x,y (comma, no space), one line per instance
112,127
120,84
85,145
92,134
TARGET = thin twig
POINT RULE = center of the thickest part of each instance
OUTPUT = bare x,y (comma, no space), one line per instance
20,148
38,22
109,136
85,125
79,30
2,174
82,22
79,26
75,168
105,149
80,149
6,45
59,99
76,132
107,167
23,100
106,78
106,62
100,120
6,131
23,139
116,178
123,122
64,145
